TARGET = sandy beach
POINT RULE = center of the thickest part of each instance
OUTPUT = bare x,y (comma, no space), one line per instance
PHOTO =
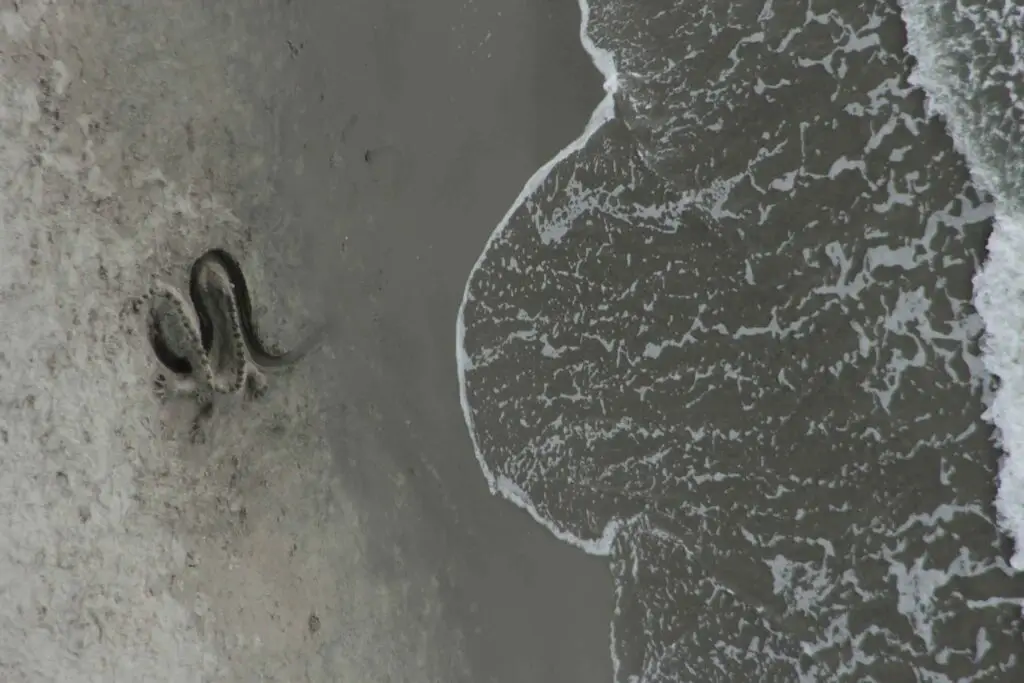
355,156
728,341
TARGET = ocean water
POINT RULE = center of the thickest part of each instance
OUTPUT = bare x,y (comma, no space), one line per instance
730,338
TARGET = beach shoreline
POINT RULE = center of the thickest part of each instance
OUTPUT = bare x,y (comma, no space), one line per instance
425,178
340,529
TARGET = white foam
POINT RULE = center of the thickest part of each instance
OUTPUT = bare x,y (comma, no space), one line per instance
999,291
602,545
999,286
604,112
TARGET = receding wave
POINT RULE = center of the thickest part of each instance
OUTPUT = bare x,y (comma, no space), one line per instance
727,339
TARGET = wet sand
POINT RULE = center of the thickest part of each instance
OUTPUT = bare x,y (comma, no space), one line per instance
412,148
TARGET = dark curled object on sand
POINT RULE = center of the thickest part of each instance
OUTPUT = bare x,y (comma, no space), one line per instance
261,355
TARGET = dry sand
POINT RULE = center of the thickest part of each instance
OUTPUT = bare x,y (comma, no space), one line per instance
356,155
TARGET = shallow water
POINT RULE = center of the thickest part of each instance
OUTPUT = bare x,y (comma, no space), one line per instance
729,341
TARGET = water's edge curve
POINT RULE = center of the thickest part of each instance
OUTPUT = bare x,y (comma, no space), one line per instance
604,112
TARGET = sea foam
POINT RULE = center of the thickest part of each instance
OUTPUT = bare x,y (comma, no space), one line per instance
970,85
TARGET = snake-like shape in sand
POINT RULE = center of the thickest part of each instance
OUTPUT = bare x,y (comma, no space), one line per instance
217,349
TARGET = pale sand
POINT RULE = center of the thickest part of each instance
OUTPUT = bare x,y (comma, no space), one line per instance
134,135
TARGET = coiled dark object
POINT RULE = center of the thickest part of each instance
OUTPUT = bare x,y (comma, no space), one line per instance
260,354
